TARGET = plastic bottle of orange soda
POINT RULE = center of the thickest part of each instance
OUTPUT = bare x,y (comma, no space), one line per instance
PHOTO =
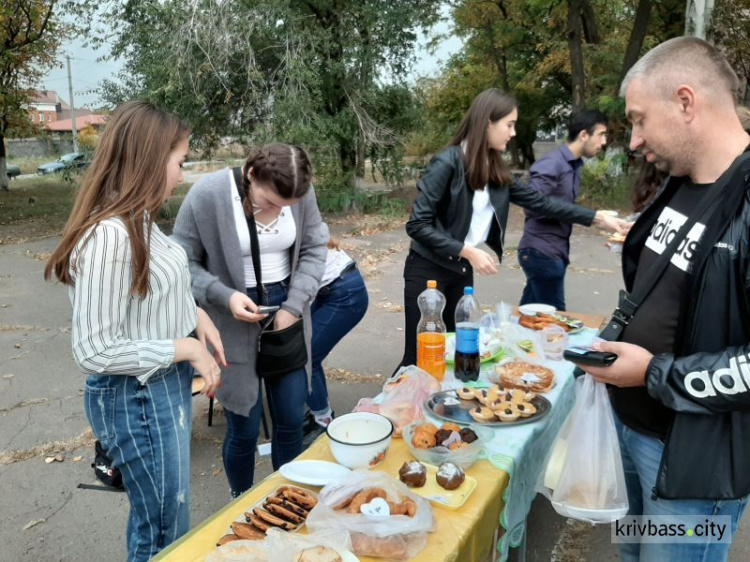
431,331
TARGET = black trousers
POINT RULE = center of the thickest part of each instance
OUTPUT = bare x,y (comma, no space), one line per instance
417,272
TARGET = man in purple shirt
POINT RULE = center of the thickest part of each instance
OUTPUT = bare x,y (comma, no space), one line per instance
545,245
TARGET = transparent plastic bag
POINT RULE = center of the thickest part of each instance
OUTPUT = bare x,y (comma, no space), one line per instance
286,546
240,551
402,397
396,537
584,478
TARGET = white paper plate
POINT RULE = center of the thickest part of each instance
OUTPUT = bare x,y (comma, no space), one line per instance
532,308
313,473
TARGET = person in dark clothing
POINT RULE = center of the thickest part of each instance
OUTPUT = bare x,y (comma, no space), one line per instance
463,201
544,250
680,385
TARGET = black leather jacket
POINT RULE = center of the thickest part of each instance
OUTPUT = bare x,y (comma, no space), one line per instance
441,216
707,380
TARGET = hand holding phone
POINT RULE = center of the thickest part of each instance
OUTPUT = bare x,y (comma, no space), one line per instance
267,309
589,357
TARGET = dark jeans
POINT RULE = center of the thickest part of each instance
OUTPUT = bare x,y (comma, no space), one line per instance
545,278
339,307
286,403
417,272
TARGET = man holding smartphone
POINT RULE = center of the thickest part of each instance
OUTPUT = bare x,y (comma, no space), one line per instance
681,382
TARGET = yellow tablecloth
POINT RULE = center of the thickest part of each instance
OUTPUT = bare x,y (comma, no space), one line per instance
463,534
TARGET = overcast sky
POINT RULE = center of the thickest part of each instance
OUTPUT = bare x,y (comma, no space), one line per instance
88,72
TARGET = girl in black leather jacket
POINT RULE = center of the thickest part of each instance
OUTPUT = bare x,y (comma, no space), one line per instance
463,200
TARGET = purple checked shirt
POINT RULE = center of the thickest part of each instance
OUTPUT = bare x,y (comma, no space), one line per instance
556,174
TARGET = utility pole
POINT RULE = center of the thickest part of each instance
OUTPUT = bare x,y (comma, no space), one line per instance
72,108
698,17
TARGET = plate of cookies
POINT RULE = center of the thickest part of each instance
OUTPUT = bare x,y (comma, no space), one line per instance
285,509
493,406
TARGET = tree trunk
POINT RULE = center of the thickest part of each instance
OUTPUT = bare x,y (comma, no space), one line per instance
575,37
4,179
590,28
637,35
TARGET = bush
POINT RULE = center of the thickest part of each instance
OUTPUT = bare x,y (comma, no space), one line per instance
604,185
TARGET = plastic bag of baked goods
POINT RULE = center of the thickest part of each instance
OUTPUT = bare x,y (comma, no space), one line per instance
584,478
402,397
383,518
240,551
327,545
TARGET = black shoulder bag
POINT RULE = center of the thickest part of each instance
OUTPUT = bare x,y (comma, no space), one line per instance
628,303
279,351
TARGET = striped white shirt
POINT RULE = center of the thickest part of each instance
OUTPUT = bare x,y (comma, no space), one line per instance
115,333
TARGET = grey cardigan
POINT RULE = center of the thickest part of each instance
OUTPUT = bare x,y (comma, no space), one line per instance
206,228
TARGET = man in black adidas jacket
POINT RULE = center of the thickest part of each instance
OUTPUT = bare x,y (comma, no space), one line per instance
681,384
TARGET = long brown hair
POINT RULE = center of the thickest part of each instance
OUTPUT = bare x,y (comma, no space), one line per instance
126,179
484,164
284,167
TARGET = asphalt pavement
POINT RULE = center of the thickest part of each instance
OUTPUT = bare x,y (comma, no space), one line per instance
46,446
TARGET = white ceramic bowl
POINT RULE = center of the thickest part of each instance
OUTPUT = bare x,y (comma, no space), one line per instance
531,309
359,439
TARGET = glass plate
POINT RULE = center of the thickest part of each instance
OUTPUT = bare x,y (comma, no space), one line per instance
446,405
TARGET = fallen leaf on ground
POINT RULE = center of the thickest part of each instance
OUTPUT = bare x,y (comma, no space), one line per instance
49,460
33,523
77,459
217,472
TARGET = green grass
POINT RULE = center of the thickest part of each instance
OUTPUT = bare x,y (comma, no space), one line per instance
30,164
46,197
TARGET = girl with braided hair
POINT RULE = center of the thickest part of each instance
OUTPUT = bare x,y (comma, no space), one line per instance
212,226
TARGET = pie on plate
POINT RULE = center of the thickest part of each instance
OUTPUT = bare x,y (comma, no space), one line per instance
527,376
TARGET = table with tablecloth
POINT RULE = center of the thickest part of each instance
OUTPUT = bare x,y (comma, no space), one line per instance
506,485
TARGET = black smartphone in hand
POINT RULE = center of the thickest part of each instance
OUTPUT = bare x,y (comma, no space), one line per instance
589,357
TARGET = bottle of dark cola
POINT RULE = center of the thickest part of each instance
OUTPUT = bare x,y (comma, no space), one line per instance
468,314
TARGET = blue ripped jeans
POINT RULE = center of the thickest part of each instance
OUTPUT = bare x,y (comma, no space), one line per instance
145,430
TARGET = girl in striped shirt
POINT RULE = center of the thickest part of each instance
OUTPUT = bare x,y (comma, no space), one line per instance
133,315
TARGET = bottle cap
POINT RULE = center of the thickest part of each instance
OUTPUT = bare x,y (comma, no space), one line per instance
431,284
468,290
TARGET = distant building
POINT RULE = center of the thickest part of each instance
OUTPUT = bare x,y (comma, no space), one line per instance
66,125
47,106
